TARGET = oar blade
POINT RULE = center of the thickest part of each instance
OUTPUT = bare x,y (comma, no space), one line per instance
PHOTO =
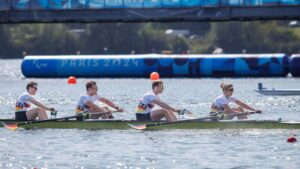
11,126
138,127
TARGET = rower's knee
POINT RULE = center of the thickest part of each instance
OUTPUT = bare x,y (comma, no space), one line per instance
42,110
164,112
241,109
168,113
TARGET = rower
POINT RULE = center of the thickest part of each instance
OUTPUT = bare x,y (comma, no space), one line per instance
220,104
149,100
87,104
23,113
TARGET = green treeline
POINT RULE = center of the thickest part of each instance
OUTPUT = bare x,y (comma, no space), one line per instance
17,40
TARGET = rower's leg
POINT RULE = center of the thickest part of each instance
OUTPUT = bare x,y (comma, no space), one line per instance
104,116
94,116
240,110
171,116
159,114
97,116
227,117
32,114
42,115
109,114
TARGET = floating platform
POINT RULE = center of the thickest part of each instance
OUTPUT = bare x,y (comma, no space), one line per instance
279,92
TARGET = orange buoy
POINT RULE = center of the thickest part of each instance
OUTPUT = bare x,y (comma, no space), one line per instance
154,76
291,139
72,80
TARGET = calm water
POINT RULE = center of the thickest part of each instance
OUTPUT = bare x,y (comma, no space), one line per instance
72,148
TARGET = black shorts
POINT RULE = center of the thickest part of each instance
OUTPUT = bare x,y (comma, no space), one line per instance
21,116
143,117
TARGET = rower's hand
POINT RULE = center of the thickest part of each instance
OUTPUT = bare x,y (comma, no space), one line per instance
184,111
119,109
178,111
258,111
52,109
188,112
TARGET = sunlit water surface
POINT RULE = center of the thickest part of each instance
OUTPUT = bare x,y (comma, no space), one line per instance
73,148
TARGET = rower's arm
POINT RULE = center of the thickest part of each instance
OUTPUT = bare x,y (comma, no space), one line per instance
164,105
244,105
39,104
111,104
94,107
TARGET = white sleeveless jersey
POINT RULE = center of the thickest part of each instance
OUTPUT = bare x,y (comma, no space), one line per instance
23,103
145,104
81,105
222,100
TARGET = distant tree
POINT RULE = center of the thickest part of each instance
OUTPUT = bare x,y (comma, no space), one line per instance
254,37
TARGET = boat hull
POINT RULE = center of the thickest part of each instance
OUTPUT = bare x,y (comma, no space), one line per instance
123,124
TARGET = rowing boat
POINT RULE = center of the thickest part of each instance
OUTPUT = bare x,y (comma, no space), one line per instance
123,124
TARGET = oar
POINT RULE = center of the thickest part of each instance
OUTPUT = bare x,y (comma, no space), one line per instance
14,126
222,115
144,126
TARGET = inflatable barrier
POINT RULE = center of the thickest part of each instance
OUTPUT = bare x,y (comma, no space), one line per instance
295,65
262,65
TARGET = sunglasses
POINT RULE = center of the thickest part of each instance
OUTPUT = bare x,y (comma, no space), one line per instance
230,90
35,87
